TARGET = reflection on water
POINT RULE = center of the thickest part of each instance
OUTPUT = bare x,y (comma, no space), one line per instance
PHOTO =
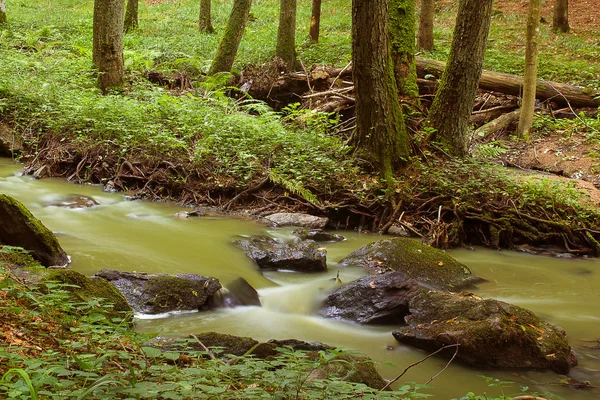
142,236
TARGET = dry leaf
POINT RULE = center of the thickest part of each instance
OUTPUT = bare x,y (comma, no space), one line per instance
372,284
441,263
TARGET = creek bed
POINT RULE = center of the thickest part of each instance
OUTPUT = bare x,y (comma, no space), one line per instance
145,237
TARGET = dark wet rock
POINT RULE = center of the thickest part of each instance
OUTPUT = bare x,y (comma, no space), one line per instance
398,230
425,264
297,219
318,235
270,254
378,300
348,367
235,294
161,293
188,214
18,227
76,201
491,333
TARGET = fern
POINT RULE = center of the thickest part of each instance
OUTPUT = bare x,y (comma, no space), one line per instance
293,186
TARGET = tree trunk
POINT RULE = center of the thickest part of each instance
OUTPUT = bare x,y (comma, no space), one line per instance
205,22
560,19
131,15
531,63
2,11
108,42
559,93
402,37
425,36
286,33
380,137
232,37
315,21
451,109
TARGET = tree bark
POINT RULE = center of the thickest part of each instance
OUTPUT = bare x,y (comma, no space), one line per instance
315,21
108,43
205,20
380,137
2,11
559,93
425,36
531,64
228,46
286,33
402,37
131,15
560,19
451,109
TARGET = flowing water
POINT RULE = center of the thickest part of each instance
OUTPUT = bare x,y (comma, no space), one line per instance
143,236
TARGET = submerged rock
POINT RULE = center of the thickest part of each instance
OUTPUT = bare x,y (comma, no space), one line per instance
161,293
270,254
18,227
491,333
76,201
425,264
318,235
297,219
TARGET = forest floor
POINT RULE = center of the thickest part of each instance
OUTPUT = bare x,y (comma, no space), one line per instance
182,137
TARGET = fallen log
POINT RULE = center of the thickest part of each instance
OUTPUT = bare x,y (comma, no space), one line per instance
503,122
559,93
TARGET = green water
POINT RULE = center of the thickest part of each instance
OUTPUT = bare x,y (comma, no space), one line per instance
143,236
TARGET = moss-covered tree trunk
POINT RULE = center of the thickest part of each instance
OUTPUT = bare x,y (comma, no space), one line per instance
205,20
131,15
2,11
228,46
402,37
531,63
380,137
108,43
450,112
286,33
425,35
315,21
560,18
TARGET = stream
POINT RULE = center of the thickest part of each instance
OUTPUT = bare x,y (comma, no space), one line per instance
145,237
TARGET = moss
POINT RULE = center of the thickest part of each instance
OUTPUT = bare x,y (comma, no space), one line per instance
402,40
423,263
91,288
21,228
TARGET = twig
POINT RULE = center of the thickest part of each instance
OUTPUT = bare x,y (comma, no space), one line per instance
307,77
443,369
210,353
571,108
340,74
415,364
328,92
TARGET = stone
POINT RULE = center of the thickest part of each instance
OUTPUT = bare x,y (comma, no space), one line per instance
298,219
374,300
19,228
270,254
491,333
10,144
427,265
318,235
162,293
75,201
188,214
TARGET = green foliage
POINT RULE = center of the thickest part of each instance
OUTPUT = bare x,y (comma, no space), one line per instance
93,358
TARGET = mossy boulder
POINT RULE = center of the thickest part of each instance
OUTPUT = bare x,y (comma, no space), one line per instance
161,293
271,254
491,333
18,227
427,265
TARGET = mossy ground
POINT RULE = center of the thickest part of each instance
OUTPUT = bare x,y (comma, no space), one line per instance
200,146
